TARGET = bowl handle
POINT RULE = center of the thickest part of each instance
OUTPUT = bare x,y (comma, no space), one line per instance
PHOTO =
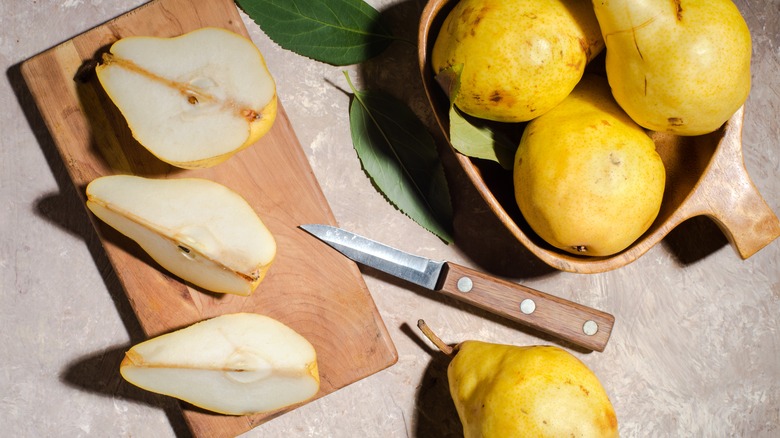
727,195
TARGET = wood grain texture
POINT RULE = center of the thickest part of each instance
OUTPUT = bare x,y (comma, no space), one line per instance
706,176
309,287
561,318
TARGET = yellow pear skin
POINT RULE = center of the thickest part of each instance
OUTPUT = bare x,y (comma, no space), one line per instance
587,179
519,58
505,391
678,66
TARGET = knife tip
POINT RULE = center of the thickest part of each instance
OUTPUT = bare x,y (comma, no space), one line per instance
312,228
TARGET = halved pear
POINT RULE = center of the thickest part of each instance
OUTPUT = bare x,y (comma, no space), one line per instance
236,364
193,100
199,230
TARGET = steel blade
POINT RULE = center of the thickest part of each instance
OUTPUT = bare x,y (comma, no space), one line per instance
418,270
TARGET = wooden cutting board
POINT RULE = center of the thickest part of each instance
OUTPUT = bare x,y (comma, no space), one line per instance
311,288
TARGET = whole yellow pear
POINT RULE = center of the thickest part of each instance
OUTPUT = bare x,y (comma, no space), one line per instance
517,59
506,391
587,179
678,66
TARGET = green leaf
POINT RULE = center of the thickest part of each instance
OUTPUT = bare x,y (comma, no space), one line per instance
399,155
480,139
449,80
471,136
337,32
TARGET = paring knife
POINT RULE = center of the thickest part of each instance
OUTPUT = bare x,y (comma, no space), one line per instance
573,322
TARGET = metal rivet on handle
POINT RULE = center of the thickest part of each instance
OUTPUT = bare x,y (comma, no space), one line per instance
527,306
590,327
465,284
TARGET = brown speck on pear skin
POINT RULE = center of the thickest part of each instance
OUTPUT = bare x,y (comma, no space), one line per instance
675,121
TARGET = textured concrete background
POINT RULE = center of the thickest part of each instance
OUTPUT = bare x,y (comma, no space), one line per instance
694,351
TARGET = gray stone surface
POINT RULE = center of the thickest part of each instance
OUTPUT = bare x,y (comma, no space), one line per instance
694,351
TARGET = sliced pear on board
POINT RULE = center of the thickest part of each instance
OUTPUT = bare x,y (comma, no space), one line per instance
235,364
194,100
197,229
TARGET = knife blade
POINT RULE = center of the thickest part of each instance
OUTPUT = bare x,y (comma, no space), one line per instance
567,320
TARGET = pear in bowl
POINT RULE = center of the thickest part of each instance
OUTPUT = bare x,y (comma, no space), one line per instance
194,100
677,67
514,60
705,176
587,178
197,229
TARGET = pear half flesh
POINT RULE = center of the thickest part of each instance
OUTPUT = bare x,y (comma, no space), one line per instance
197,229
193,100
235,364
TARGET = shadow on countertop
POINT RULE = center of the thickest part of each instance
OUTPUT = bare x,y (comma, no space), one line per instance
478,233
98,373
435,415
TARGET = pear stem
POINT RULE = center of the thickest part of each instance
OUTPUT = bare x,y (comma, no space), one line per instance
441,345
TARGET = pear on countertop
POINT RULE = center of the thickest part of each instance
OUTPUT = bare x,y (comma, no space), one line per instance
507,391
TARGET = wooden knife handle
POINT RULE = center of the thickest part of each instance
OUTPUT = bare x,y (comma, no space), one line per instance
576,323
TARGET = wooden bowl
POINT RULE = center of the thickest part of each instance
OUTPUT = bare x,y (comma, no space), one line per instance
705,175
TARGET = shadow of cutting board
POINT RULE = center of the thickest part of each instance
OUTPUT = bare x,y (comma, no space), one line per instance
311,288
